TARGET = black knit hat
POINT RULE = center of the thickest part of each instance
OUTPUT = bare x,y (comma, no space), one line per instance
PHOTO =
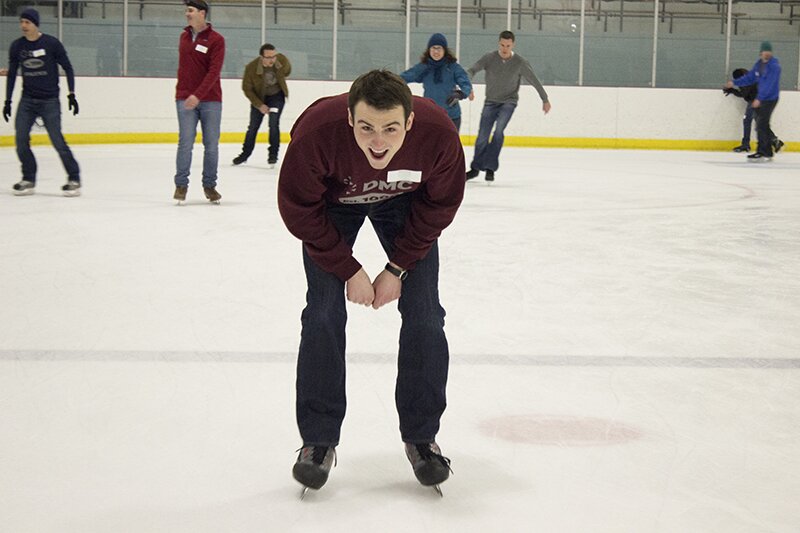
31,15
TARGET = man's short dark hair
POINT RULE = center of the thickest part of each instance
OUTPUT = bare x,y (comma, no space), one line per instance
266,46
382,90
507,35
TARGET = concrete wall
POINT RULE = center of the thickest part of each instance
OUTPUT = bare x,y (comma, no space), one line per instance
143,110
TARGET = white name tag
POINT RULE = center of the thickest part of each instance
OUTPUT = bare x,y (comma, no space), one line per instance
201,48
414,176
39,53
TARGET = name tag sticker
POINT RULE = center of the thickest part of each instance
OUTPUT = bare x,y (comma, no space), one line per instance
414,176
39,53
201,48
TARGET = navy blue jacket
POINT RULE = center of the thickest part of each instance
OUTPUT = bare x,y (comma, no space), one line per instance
39,60
767,76
452,75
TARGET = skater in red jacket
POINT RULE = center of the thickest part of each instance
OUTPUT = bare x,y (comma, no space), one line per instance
382,154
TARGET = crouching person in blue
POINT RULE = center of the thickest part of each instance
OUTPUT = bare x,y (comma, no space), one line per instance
381,154
38,55
766,73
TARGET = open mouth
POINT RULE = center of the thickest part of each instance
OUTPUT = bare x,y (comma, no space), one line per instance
378,154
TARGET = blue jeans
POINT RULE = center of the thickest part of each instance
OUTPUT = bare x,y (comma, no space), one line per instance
209,114
423,357
50,111
256,117
747,124
487,154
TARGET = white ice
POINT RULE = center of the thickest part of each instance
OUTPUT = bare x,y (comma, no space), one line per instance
625,352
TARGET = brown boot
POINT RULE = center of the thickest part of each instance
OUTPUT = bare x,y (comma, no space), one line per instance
212,194
180,194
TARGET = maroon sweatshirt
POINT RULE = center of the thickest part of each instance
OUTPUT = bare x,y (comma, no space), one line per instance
199,65
324,164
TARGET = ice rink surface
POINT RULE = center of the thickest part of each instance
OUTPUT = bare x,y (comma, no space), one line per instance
625,352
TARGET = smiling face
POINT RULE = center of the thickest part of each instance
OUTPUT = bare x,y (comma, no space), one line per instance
379,133
436,52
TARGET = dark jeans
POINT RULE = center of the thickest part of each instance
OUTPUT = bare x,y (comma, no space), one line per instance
50,111
487,154
747,124
765,135
276,101
423,358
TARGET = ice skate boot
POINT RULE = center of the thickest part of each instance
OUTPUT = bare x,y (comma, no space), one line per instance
24,188
758,157
272,161
430,466
489,175
71,188
313,466
742,148
473,173
239,159
777,145
211,193
180,194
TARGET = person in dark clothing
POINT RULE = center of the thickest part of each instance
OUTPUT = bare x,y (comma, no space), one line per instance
264,84
748,93
39,55
381,154
766,74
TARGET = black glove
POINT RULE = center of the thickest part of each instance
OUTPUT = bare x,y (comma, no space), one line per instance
728,91
455,96
73,103
7,110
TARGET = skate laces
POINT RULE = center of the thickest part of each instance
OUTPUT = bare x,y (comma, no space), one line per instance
426,452
318,453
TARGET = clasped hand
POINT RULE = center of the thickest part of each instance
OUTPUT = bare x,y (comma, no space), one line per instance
386,288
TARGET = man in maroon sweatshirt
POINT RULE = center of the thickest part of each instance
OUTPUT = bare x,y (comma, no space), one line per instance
377,153
198,97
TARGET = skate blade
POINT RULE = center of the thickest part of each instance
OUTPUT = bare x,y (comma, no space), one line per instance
180,202
27,192
438,491
72,194
303,494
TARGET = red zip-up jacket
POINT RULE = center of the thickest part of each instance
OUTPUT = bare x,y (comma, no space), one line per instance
199,65
323,164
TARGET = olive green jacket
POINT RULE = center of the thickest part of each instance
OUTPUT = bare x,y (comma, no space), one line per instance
253,79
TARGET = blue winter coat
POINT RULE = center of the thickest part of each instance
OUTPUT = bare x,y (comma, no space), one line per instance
452,75
767,76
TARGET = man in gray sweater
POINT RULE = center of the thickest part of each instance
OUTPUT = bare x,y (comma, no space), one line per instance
504,72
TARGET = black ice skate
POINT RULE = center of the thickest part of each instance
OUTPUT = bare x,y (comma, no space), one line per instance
272,161
180,194
473,173
742,148
24,188
430,467
239,159
777,145
313,466
71,188
758,157
211,193
489,175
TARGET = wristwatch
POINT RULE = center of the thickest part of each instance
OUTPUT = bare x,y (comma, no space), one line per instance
402,274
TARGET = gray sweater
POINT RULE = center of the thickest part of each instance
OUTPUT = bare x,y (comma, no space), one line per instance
503,77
